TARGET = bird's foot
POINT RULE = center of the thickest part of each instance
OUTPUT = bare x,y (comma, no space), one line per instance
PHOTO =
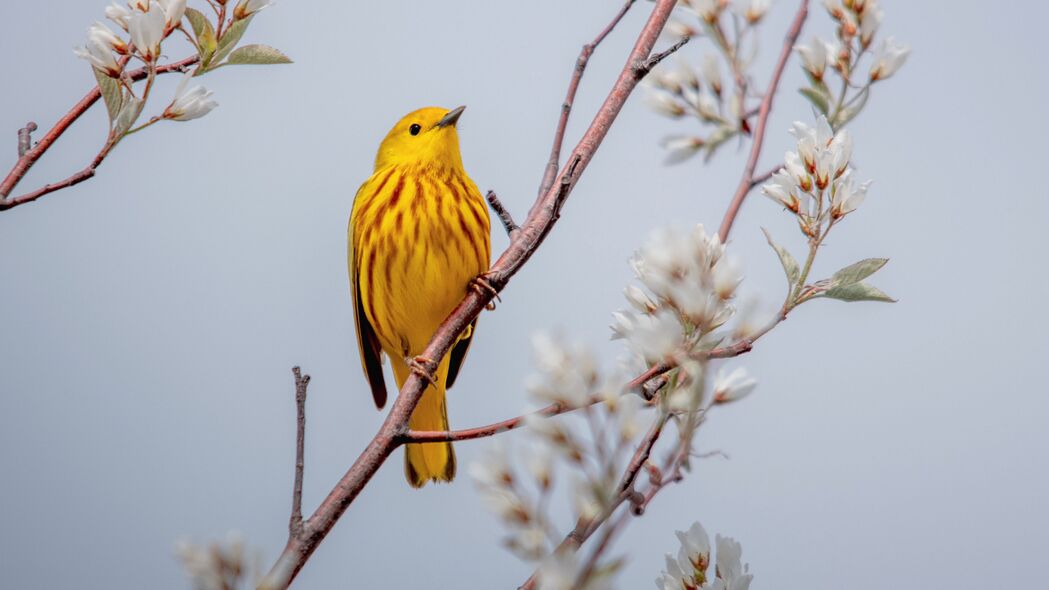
482,286
423,367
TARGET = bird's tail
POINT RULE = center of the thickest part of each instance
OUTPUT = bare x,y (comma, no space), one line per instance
425,462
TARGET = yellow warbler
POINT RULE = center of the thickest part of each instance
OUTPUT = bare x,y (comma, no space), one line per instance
418,236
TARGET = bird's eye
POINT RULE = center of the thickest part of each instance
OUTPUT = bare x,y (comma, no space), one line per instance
415,129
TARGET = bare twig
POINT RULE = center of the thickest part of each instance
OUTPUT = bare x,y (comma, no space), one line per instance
747,182
554,163
539,222
30,157
301,383
25,138
507,220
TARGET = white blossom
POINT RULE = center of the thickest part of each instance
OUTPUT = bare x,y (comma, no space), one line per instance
246,8
707,106
711,71
813,57
139,5
811,140
567,373
888,59
678,29
191,103
210,567
752,10
695,544
173,11
706,9
733,386
653,337
493,468
847,195
729,567
679,148
584,498
101,33
870,20
100,56
118,14
782,189
147,31
665,104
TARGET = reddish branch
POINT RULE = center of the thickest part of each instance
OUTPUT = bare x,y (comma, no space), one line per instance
748,181
540,220
30,157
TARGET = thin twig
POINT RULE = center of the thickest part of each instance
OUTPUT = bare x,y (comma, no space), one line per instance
554,163
301,383
30,157
540,221
507,220
746,182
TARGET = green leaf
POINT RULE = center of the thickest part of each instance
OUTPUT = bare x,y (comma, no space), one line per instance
856,272
790,265
204,33
112,94
230,38
818,97
257,54
857,292
127,116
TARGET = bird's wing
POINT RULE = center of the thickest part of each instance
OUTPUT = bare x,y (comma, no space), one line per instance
367,342
457,355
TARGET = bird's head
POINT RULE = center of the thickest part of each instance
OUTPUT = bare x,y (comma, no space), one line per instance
426,136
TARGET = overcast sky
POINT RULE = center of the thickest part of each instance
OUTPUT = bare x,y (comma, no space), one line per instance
151,315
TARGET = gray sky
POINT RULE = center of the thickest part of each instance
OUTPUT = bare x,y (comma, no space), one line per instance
151,315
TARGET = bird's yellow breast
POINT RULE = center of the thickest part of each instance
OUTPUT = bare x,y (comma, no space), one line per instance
419,235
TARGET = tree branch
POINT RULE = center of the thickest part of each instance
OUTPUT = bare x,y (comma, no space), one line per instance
747,182
554,162
30,157
539,222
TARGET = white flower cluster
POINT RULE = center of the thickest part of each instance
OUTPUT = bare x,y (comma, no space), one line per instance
147,22
858,22
218,566
689,570
816,182
688,289
700,92
568,376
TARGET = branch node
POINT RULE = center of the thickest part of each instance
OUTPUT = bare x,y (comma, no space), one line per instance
642,68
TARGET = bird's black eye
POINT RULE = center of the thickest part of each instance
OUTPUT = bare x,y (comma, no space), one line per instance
415,129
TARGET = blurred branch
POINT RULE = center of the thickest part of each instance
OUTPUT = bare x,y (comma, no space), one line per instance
30,157
747,182
539,222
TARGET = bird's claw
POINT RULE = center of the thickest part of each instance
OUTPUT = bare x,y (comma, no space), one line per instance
481,285
423,367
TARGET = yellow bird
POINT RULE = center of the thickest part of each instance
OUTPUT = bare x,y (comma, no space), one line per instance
418,237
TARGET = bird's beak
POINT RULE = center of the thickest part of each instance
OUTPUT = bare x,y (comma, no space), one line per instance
452,116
